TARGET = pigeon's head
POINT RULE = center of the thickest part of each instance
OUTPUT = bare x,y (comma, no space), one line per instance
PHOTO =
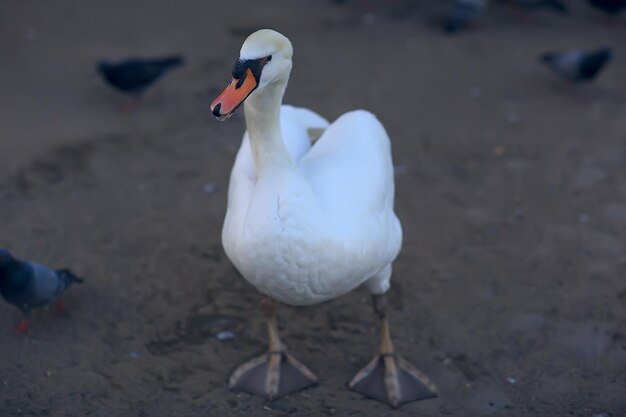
264,60
5,258
547,57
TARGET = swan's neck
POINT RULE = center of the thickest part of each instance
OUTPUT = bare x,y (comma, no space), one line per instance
262,110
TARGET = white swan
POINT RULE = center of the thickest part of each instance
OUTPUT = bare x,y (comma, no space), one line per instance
308,223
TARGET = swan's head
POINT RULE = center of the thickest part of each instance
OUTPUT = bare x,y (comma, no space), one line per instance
264,59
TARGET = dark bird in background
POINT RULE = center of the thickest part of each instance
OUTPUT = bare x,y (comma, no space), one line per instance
555,5
611,7
134,76
577,66
464,12
28,285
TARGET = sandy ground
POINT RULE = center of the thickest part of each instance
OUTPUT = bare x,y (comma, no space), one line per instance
509,291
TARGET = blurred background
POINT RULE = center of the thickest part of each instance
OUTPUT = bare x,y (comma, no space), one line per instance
511,187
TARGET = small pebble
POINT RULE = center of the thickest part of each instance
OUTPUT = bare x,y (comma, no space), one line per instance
30,34
134,355
447,361
411,44
475,92
225,335
527,322
498,150
511,380
209,188
369,19
584,218
516,165
513,117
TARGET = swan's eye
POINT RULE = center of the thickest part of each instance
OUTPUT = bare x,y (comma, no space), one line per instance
269,58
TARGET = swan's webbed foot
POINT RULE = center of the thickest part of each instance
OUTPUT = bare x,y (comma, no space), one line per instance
272,375
388,377
276,373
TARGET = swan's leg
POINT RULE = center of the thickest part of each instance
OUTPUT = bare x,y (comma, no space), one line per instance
388,377
276,373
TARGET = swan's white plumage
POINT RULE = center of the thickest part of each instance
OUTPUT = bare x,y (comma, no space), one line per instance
315,229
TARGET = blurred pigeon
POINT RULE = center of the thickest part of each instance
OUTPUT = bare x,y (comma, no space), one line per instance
27,285
134,76
555,5
611,7
464,12
577,66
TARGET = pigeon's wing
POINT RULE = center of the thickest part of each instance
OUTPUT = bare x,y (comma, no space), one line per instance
567,64
45,286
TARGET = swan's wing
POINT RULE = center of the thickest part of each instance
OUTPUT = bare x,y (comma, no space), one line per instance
296,124
351,165
351,171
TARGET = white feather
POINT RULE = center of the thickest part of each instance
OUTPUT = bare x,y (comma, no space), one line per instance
316,228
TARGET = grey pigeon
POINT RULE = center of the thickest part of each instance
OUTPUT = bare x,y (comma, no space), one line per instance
28,285
463,13
577,66
135,75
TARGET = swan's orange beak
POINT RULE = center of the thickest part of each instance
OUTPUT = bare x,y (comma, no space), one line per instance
231,98
246,76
